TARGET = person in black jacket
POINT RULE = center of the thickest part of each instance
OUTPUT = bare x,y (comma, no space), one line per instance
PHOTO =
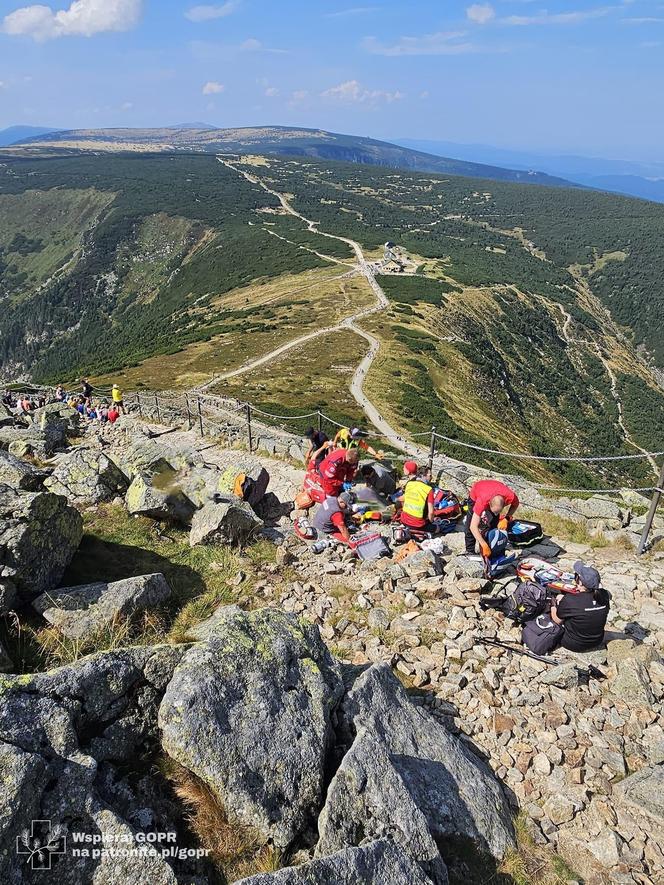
582,614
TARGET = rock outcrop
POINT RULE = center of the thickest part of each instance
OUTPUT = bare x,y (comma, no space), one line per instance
228,522
20,474
249,713
39,534
87,476
81,612
166,501
380,863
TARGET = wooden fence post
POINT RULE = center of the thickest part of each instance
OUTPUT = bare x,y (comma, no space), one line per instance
432,450
140,407
320,420
654,504
156,403
186,399
200,414
249,434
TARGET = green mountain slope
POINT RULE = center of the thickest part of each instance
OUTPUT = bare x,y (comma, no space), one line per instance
523,319
280,141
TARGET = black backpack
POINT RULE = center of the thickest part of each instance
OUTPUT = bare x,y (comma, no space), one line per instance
527,602
542,635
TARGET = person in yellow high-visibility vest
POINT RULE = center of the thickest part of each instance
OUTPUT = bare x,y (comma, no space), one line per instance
417,509
116,396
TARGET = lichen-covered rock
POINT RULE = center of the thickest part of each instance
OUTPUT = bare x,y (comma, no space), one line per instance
81,612
56,730
249,712
21,441
87,476
167,502
406,775
230,522
376,863
20,474
39,534
56,416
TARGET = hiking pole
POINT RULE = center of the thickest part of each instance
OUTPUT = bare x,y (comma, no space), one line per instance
585,673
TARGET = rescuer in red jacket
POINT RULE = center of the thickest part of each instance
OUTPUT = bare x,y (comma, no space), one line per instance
339,467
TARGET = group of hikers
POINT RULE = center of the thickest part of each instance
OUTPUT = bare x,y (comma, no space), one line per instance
102,411
336,485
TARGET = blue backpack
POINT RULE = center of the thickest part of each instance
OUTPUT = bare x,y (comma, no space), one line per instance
500,560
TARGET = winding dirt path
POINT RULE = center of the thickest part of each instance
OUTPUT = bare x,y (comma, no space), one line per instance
384,428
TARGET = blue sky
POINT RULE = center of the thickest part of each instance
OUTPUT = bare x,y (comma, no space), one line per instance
558,75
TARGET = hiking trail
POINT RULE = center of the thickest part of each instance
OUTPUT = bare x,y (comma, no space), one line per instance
364,267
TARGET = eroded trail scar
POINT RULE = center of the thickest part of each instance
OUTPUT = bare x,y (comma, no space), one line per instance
364,267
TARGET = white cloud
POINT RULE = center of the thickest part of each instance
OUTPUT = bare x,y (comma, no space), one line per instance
207,13
355,10
351,92
83,18
480,13
440,43
212,88
300,95
127,105
558,18
251,45
3,85
271,92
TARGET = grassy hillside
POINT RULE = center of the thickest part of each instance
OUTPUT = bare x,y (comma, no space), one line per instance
524,319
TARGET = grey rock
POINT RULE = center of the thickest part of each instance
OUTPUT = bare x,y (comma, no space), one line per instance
249,712
87,476
429,770
8,595
19,474
563,676
6,663
21,441
231,522
167,502
644,792
54,730
39,534
380,863
423,564
464,566
631,683
81,612
56,416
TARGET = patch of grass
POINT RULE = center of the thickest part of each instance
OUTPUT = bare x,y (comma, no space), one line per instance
532,864
57,649
236,850
567,529
262,553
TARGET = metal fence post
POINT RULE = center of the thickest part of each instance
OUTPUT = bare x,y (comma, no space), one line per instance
432,450
140,407
156,403
654,504
251,440
200,414
186,400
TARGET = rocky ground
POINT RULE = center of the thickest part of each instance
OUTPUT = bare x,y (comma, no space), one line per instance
289,714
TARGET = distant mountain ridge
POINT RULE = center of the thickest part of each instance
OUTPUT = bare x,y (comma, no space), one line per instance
14,134
281,141
636,179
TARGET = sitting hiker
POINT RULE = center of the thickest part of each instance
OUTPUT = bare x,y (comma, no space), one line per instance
60,394
330,517
409,472
319,443
379,479
113,414
103,413
337,469
488,499
351,438
582,614
418,498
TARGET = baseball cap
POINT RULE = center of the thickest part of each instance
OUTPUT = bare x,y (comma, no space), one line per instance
410,466
590,577
355,433
348,498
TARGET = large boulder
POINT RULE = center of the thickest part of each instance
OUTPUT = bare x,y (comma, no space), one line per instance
87,476
39,534
22,441
228,522
20,474
6,664
56,417
405,775
81,612
379,863
249,712
62,734
160,497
